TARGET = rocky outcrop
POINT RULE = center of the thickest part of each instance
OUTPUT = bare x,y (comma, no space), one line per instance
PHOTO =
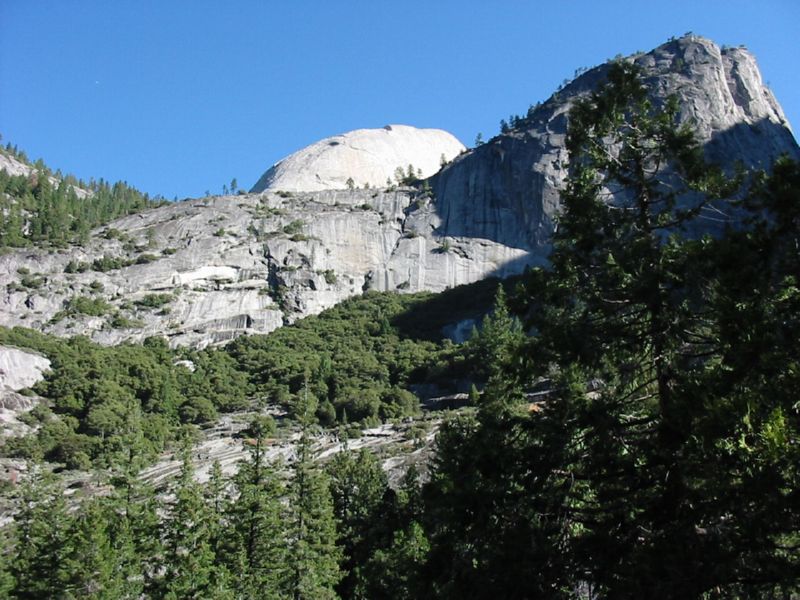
364,157
206,270
18,370
12,166
507,190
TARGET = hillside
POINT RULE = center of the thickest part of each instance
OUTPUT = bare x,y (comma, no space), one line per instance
207,270
563,366
49,210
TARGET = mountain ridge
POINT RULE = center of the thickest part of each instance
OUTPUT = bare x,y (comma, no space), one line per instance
206,270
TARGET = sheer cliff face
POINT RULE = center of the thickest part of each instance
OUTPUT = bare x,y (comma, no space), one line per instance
231,265
507,190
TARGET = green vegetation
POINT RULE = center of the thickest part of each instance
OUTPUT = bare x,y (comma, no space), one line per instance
83,305
153,301
107,402
330,276
359,358
234,538
293,228
637,433
660,457
119,321
35,210
145,258
408,177
267,532
103,264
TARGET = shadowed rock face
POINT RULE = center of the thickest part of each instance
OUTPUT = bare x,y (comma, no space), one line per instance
366,156
251,263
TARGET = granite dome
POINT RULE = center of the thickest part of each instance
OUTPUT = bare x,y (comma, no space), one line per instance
367,156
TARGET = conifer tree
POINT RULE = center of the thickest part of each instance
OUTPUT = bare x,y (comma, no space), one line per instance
256,552
314,556
624,316
6,579
217,502
666,412
93,567
39,539
189,562
358,485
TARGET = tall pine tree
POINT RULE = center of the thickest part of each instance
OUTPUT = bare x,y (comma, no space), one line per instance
314,555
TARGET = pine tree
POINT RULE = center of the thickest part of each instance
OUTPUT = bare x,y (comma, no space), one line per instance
666,415
498,341
135,533
91,565
633,330
6,578
189,562
255,552
314,556
40,529
392,572
358,485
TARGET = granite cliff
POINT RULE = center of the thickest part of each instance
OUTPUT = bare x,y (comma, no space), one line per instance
203,271
507,190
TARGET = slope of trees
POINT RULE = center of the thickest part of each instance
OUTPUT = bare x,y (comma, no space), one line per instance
43,208
259,535
105,402
361,357
360,360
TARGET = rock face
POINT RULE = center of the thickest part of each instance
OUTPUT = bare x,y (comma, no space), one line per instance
206,270
12,166
507,190
18,370
367,156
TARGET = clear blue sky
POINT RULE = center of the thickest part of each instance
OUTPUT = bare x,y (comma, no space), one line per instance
178,97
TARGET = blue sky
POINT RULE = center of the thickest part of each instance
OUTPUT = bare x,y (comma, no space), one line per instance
179,97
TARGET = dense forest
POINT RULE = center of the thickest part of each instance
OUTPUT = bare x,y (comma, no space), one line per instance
45,208
637,435
358,362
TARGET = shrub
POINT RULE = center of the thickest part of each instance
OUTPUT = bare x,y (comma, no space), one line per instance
109,263
295,227
153,301
93,307
143,259
119,321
